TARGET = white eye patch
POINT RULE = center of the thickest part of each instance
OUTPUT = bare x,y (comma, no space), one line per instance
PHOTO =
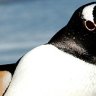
88,13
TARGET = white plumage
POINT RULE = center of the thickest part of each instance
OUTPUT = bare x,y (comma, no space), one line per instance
47,71
88,12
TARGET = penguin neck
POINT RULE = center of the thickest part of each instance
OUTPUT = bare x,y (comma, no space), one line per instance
66,41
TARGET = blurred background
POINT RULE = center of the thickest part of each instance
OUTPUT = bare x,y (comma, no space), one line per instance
25,24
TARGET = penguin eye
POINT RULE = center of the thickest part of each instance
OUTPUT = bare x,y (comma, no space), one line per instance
89,25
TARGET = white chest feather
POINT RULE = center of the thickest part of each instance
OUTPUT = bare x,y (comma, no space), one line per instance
47,71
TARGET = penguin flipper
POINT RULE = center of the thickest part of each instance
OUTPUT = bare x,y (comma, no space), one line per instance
6,73
5,79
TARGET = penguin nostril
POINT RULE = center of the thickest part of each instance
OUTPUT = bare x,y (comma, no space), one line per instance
89,25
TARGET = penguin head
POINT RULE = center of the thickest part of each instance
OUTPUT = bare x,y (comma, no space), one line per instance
78,37
85,18
89,17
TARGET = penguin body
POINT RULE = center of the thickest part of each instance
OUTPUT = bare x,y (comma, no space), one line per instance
65,66
48,76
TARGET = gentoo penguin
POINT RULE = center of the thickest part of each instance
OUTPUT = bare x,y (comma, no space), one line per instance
65,66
